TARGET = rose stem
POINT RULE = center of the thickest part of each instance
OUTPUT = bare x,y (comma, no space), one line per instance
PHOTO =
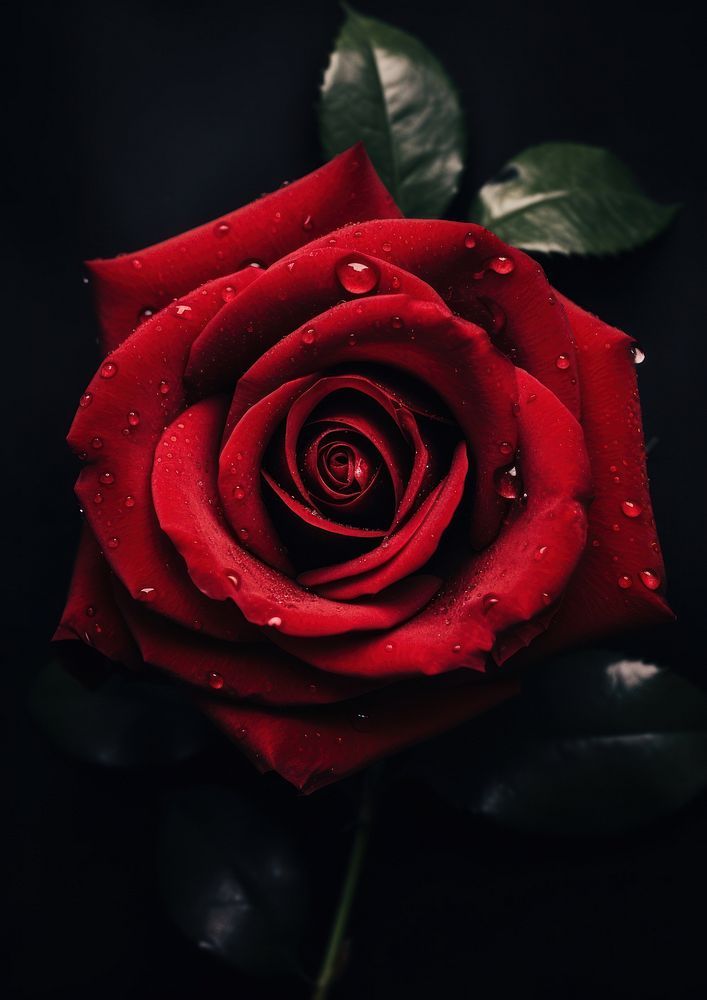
329,967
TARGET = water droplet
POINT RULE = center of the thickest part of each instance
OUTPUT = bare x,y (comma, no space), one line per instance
469,241
129,502
163,388
113,542
137,264
308,223
107,478
253,263
506,482
637,355
506,448
389,647
241,733
90,611
630,508
624,581
397,323
222,229
238,493
234,579
145,313
502,265
133,418
352,339
181,310
309,335
275,621
86,400
540,553
97,443
98,497
357,277
228,293
456,648
146,594
243,533
650,579
109,369
489,601
563,362
215,680
361,721
386,247
546,598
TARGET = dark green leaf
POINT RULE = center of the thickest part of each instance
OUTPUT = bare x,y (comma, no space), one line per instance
595,744
383,87
124,721
570,199
232,882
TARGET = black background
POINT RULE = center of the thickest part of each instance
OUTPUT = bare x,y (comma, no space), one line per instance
137,120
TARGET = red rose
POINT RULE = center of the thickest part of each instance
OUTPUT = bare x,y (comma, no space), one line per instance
340,466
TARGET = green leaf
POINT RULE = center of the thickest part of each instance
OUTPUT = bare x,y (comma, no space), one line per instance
123,721
233,883
382,86
595,744
569,199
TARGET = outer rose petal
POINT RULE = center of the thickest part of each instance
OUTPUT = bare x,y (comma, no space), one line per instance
254,671
619,547
346,189
91,613
313,748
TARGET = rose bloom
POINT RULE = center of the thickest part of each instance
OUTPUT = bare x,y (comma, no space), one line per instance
341,467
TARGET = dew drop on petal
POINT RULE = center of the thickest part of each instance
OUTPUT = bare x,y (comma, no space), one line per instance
146,594
228,293
361,722
86,400
107,478
275,621
540,553
650,579
396,322
357,277
630,508
133,418
309,335
98,497
506,448
215,680
501,265
308,223
109,369
222,229
489,601
562,362
129,502
97,443
386,247
506,483
234,579
113,542
624,581
137,264
238,493
163,388
469,241
637,355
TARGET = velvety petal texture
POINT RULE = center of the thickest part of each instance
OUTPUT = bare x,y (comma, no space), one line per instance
340,468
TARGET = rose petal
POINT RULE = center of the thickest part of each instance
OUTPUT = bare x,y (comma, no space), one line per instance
438,252
620,547
264,230
145,385
312,748
290,294
91,613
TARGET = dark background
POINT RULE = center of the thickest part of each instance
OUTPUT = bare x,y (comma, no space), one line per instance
137,120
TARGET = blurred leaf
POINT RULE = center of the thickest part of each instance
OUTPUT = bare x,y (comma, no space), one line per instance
570,199
382,86
595,744
232,882
126,721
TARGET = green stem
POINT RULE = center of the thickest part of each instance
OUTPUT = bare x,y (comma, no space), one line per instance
328,970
